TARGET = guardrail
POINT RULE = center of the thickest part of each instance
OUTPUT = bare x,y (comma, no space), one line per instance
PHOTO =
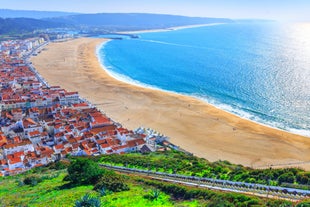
224,185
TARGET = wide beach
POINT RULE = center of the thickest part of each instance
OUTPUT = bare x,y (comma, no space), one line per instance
191,124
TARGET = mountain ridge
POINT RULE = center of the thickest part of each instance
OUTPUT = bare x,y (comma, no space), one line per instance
125,21
10,13
102,22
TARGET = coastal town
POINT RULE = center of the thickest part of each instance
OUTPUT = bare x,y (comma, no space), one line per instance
41,124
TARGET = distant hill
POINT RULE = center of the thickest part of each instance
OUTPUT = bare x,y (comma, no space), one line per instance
134,21
8,13
92,22
24,25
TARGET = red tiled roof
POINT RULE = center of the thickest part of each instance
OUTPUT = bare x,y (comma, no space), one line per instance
34,133
25,142
59,146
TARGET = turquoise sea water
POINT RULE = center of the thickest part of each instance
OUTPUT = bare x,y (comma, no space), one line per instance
259,71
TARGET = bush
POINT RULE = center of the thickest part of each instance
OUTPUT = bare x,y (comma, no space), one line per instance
88,201
278,203
286,178
181,163
112,181
153,195
60,165
103,192
84,171
32,180
214,198
217,202
304,204
20,183
303,178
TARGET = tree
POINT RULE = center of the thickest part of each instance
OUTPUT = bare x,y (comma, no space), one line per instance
286,178
84,171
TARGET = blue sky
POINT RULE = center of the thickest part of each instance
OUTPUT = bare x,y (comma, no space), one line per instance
266,9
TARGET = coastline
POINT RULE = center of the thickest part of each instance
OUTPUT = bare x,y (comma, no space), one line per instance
192,124
127,80
171,28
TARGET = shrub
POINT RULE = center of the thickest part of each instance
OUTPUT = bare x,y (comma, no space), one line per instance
84,171
20,183
218,202
214,198
304,204
302,178
88,201
60,165
153,195
32,180
104,192
112,181
286,178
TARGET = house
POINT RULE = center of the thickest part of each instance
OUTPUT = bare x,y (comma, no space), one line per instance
146,149
58,148
71,98
36,136
135,145
15,160
82,105
23,146
104,148
34,113
99,120
17,114
29,125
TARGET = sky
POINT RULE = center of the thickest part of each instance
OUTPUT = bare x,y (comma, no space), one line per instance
236,9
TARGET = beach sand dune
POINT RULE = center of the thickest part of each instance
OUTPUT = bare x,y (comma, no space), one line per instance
191,124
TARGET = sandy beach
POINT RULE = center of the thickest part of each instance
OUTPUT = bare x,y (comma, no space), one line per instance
191,124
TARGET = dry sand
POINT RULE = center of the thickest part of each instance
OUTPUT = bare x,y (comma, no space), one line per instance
192,124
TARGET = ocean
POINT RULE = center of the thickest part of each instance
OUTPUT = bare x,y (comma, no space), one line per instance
258,71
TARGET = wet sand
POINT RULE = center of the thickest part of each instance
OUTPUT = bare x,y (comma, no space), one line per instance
195,126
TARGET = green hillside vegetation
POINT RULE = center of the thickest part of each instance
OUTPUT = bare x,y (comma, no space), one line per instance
104,22
9,13
13,26
52,189
54,186
181,163
134,21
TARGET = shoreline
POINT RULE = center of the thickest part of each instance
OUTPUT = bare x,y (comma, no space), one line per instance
172,28
128,80
192,124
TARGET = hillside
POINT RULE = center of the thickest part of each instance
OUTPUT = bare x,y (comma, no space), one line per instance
28,21
9,13
60,184
24,25
134,21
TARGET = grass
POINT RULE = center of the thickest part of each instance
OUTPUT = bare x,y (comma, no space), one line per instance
51,193
181,163
52,190
46,193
